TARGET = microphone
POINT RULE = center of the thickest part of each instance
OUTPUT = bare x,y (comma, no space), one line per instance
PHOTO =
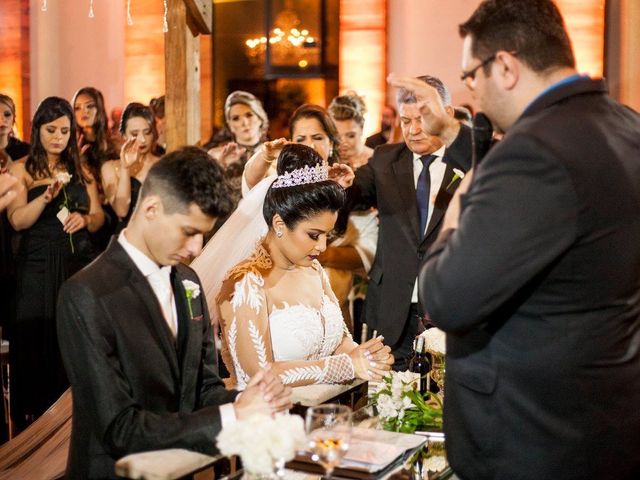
481,138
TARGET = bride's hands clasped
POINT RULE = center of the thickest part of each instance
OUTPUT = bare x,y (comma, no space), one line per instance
372,359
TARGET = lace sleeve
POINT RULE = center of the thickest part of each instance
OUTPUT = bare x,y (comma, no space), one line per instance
245,327
246,333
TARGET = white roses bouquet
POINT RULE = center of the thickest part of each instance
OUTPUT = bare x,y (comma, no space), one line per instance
262,440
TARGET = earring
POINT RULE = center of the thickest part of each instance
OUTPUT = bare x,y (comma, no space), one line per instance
279,233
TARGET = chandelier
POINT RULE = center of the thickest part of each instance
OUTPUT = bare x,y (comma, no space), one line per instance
288,42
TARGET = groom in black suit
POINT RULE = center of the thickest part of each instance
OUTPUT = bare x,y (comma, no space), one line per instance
135,335
410,184
536,274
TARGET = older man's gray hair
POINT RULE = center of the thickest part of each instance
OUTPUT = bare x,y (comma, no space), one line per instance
407,96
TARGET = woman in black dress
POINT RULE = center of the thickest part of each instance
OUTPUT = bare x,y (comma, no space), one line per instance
122,179
54,212
95,148
14,147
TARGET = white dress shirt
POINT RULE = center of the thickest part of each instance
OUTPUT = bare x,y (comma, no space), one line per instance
437,169
159,280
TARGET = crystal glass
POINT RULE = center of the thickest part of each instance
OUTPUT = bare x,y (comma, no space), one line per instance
328,430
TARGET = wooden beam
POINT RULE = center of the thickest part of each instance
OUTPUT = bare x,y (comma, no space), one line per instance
182,78
201,12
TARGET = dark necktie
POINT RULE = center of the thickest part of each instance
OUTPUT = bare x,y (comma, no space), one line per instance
423,193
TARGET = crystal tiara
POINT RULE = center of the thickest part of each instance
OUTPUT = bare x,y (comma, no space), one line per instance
302,176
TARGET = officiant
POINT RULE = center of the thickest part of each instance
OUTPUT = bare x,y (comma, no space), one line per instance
535,276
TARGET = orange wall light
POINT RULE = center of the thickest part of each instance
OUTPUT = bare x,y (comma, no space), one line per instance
363,54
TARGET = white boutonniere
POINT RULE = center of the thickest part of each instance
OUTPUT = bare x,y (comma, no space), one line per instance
458,175
192,290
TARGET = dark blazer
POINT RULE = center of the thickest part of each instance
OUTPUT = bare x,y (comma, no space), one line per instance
387,183
539,293
134,387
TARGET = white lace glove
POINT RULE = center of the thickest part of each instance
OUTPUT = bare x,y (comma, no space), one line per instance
337,369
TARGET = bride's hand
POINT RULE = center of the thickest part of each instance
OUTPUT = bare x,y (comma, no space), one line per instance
372,359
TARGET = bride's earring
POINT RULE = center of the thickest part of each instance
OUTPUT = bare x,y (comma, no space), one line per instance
279,233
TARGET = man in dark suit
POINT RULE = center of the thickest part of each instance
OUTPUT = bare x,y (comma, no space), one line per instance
388,121
410,184
135,335
535,276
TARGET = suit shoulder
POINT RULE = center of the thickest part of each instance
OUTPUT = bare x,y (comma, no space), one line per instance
185,271
389,150
101,276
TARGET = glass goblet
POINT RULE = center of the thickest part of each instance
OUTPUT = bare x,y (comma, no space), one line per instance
328,430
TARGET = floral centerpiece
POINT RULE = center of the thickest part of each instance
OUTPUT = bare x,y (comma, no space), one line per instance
402,408
262,441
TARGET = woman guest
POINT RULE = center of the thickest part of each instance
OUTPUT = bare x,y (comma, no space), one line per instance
11,149
95,148
13,146
157,107
122,179
247,125
55,211
347,112
275,305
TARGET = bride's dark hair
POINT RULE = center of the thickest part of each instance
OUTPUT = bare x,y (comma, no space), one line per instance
301,202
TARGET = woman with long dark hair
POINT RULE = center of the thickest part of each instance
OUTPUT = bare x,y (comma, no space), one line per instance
94,143
54,212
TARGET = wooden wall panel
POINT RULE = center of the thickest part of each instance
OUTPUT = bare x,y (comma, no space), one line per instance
14,59
585,22
144,52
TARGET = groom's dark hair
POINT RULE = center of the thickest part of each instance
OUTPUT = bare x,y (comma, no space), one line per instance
185,176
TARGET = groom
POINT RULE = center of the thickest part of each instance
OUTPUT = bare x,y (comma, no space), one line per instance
135,335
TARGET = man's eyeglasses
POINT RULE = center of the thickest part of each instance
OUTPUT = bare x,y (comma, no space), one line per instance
469,76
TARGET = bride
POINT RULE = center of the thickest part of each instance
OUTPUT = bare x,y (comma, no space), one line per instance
268,291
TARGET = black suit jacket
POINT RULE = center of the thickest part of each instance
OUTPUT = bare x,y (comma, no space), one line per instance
134,387
387,183
539,293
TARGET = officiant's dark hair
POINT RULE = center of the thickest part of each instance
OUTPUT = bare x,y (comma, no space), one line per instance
301,202
188,176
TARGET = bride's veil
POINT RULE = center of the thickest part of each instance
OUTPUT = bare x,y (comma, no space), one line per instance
234,242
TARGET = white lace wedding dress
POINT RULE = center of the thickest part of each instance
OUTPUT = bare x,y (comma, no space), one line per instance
287,318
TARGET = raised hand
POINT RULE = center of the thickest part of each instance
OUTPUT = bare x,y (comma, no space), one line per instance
51,192
342,174
129,153
372,359
437,120
231,153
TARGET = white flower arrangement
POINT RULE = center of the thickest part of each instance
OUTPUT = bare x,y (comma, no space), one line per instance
63,177
402,408
435,341
262,440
